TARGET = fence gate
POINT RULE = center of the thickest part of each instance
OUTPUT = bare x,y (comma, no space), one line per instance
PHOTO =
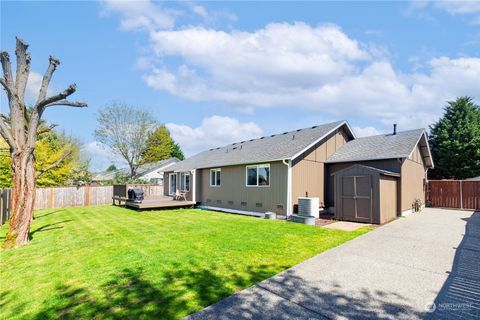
461,194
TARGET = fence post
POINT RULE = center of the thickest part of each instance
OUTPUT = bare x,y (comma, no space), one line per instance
51,197
1,207
461,195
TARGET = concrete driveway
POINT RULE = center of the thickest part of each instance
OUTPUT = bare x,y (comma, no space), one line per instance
426,265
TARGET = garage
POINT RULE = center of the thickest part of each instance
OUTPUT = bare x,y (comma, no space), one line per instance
365,194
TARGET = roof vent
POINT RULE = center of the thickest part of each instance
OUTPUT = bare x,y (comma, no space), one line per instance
262,138
251,139
285,132
394,129
272,136
314,127
299,130
242,141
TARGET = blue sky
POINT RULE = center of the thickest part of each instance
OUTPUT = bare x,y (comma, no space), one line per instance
218,72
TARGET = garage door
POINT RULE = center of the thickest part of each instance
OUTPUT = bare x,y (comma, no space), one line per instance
356,198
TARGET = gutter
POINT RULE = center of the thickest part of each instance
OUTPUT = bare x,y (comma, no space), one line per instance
288,163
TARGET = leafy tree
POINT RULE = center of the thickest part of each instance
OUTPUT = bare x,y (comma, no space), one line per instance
177,152
124,129
160,146
50,146
111,168
455,140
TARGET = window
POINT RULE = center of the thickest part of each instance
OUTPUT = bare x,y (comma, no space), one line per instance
184,181
258,175
215,177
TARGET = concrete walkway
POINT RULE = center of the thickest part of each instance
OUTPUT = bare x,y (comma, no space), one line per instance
426,265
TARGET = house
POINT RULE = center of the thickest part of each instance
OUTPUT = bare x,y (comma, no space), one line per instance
153,172
150,172
351,176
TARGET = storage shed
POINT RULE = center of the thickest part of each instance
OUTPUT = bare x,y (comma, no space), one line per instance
366,194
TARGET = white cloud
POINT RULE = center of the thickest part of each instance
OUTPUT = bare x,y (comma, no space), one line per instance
140,14
33,87
295,65
213,132
100,156
365,131
299,66
459,7
468,8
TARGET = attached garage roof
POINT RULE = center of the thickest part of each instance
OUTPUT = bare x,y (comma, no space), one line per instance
280,146
384,146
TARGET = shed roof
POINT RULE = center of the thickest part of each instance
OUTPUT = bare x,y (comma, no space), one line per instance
384,146
380,171
286,145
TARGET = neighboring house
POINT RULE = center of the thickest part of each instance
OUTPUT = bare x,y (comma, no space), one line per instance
153,172
348,175
150,172
474,179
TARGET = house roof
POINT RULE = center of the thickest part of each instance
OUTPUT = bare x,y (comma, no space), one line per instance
380,171
384,146
149,167
142,170
286,145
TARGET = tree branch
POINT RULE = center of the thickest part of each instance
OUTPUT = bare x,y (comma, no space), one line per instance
7,70
55,164
40,107
47,129
6,133
23,68
54,62
77,104
4,84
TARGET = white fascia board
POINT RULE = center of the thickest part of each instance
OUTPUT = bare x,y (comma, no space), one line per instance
323,137
424,134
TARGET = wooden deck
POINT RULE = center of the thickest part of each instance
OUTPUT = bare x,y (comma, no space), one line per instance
160,203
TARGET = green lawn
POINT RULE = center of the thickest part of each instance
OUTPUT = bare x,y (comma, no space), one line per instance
113,263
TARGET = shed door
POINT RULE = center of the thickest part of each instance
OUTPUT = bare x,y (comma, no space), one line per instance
356,198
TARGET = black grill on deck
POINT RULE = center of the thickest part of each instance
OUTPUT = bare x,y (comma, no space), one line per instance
135,195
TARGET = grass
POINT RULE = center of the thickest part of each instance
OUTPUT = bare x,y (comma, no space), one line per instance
112,263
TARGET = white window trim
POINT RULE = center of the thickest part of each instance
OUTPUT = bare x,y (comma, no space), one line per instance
183,176
262,165
210,177
170,184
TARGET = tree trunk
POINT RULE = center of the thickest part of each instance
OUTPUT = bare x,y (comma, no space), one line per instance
23,199
133,172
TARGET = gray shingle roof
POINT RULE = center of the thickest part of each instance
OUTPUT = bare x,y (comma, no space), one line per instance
381,171
275,147
385,146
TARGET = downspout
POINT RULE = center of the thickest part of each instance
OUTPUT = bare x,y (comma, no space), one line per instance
288,163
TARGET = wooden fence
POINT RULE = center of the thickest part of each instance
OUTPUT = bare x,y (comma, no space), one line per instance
5,196
462,194
62,197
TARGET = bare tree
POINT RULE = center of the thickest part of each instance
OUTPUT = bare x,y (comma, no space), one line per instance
124,129
20,131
